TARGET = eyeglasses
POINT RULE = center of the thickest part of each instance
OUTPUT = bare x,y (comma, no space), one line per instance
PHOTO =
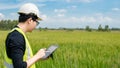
37,22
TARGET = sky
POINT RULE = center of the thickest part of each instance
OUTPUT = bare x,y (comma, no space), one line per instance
68,13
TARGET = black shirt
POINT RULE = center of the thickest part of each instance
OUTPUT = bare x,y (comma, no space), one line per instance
15,48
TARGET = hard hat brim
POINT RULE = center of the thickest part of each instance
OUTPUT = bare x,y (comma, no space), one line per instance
39,19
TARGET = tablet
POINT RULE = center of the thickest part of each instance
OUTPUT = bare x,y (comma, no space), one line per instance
49,51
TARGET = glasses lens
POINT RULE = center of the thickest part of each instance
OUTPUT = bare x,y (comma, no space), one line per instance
37,22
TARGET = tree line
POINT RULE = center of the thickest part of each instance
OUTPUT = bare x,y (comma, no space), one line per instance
9,24
100,28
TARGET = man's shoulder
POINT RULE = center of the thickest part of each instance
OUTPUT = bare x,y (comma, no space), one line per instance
16,38
15,34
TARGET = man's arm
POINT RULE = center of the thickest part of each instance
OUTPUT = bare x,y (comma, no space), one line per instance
36,57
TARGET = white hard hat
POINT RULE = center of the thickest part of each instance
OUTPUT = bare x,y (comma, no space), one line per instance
29,8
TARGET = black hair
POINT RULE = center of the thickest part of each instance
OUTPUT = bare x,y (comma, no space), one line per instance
23,17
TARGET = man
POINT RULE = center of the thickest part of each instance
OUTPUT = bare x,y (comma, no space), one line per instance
18,51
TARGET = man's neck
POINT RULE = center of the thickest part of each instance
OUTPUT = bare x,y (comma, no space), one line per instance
22,26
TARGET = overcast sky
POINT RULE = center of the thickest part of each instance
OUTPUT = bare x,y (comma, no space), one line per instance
68,13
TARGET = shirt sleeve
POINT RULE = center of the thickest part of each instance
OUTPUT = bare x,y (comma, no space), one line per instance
17,50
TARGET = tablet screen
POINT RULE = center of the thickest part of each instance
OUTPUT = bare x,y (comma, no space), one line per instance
50,50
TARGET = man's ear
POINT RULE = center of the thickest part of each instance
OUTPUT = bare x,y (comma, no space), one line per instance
29,20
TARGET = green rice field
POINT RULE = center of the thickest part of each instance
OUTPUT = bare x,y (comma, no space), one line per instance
77,49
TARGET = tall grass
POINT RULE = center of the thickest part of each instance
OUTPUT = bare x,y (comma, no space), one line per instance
2,47
77,49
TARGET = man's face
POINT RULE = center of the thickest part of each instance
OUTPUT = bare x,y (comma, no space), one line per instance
32,24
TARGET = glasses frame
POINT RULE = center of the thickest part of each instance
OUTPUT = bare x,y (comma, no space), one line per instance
37,22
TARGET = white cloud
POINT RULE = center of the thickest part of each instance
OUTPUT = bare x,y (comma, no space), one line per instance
60,10
73,7
73,22
84,1
104,19
37,0
41,1
88,19
68,0
116,9
14,6
61,15
1,16
91,19
13,14
43,16
6,6
96,19
87,1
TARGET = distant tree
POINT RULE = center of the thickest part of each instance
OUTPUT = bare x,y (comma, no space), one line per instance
45,29
40,28
106,28
100,28
116,29
64,28
88,29
70,29
7,24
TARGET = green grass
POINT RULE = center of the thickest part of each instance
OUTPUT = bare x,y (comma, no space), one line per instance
77,49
